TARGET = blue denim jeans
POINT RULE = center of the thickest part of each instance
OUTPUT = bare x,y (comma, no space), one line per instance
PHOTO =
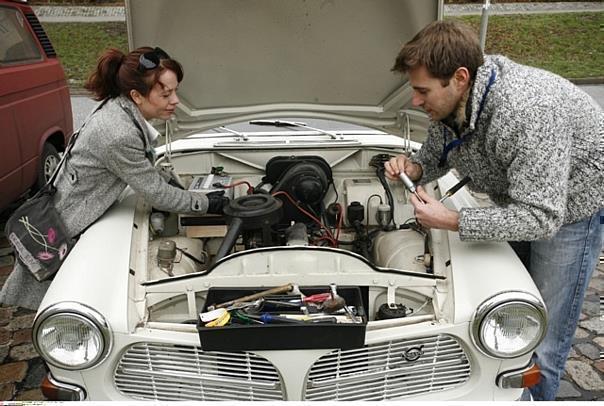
561,267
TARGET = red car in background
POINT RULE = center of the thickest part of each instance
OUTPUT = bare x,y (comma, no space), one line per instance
35,107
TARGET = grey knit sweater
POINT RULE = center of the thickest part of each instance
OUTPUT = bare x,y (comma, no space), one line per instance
111,152
536,149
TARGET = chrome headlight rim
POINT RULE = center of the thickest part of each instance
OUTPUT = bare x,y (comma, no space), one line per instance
83,312
495,302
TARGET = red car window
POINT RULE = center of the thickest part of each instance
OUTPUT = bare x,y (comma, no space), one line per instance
16,42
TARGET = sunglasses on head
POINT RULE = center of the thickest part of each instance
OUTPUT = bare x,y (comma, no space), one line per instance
150,60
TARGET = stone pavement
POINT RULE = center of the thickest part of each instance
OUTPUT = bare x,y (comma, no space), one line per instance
21,369
584,379
112,13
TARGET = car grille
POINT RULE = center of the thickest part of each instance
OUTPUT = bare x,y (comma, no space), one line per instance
152,371
395,369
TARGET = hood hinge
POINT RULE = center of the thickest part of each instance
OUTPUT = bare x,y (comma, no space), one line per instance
404,126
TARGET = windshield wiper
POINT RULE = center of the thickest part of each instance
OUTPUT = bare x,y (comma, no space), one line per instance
278,123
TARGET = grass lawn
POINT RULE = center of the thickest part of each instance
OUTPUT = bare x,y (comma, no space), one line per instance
571,44
78,45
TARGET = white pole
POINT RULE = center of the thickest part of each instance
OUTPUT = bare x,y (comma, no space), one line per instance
484,22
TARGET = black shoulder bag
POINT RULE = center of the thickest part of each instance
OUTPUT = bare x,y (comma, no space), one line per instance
36,230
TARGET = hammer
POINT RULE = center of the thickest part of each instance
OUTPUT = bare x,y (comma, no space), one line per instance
255,296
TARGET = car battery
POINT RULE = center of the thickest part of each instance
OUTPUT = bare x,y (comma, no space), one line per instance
212,183
207,225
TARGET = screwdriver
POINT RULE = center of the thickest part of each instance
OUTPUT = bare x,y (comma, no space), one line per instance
455,188
409,185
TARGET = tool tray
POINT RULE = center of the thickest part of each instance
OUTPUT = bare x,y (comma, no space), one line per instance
283,336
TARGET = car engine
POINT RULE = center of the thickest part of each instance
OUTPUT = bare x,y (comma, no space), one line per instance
296,202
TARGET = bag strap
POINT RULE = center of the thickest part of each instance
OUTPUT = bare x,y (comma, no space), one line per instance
48,187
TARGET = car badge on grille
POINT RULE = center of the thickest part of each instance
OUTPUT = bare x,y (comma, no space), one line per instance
413,354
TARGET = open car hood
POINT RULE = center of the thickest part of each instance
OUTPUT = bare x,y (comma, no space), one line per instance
247,59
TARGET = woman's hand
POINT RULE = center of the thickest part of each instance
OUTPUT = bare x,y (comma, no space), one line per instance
216,202
432,213
401,163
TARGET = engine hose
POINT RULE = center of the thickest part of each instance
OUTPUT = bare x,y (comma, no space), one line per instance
428,258
361,243
380,174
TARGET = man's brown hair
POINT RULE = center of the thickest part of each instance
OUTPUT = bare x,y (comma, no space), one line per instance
442,47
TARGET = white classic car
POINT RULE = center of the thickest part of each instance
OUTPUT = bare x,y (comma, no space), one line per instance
290,108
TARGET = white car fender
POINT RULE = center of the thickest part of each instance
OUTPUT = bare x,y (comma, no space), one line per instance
481,268
95,273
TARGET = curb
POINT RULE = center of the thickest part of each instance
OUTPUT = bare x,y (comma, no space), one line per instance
79,91
597,80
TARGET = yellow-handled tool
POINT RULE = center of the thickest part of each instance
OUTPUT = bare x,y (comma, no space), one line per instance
222,320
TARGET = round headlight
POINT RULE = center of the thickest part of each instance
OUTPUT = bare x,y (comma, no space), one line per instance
71,336
509,325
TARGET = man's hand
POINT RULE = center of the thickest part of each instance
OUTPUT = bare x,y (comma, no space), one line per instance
401,163
432,213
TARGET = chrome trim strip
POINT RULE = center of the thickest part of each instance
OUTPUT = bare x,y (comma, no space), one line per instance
287,143
69,387
506,379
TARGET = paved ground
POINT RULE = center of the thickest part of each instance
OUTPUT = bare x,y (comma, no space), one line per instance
59,14
524,8
584,379
21,369
595,91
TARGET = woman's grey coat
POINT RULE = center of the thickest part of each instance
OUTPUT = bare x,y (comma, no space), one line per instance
112,151
537,150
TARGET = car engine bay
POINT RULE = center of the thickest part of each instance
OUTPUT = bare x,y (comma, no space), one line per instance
296,203
295,207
